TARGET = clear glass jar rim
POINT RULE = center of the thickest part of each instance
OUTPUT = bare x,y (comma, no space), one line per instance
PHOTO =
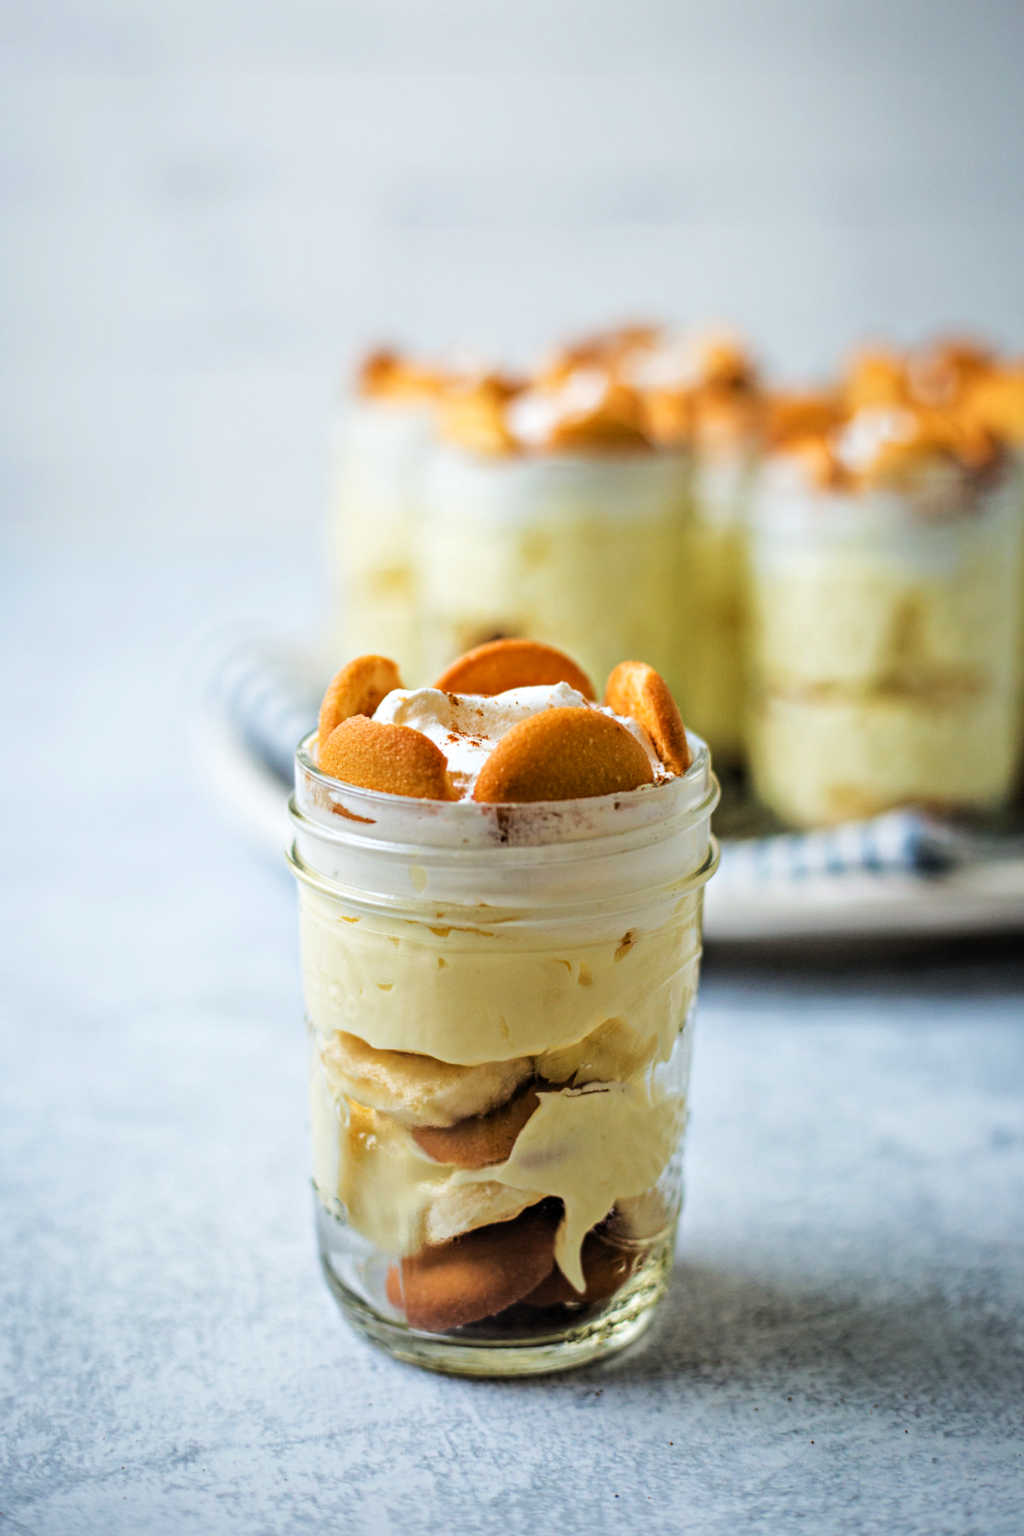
345,814
608,852
539,908
784,502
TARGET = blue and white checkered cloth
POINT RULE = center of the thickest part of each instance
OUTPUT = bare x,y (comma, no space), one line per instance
900,840
264,698
267,699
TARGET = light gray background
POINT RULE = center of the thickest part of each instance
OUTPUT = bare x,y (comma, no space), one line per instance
206,206
209,203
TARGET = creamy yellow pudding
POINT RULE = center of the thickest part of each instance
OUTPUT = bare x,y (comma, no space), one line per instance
550,513
382,441
563,1014
499,999
994,399
885,605
702,398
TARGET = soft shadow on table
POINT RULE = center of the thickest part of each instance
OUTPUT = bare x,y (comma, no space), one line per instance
781,1336
722,1326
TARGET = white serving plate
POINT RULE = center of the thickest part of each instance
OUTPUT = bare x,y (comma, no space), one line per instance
982,894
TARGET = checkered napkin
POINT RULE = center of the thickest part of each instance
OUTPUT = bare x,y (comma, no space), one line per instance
265,701
262,698
906,841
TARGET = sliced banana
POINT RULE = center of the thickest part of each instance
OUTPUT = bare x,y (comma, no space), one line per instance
418,1090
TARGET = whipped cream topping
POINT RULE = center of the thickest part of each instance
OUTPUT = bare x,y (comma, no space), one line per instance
674,363
866,434
467,726
679,361
534,415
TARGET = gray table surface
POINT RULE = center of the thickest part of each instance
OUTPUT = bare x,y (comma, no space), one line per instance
843,1348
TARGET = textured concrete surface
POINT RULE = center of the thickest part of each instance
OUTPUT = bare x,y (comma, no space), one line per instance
843,1350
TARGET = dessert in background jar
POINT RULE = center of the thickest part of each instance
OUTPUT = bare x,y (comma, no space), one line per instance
500,903
885,605
551,513
940,375
995,401
382,440
702,397
960,375
385,440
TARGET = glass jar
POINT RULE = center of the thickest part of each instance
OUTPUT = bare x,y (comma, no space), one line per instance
582,551
884,645
1018,478
381,446
499,1002
712,688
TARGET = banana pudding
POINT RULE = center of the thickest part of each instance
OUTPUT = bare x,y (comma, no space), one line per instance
702,399
501,891
384,443
995,401
551,512
885,609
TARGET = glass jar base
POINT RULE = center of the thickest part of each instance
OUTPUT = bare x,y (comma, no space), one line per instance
528,1346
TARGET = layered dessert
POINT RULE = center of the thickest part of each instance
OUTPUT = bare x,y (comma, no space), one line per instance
551,512
384,443
994,400
885,606
501,886
702,397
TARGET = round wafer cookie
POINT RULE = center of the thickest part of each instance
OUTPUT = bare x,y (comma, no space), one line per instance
478,1274
502,664
563,754
394,759
481,1140
636,690
356,690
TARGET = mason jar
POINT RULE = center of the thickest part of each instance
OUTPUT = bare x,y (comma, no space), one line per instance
499,1004
581,550
884,646
995,400
381,445
1018,477
713,638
